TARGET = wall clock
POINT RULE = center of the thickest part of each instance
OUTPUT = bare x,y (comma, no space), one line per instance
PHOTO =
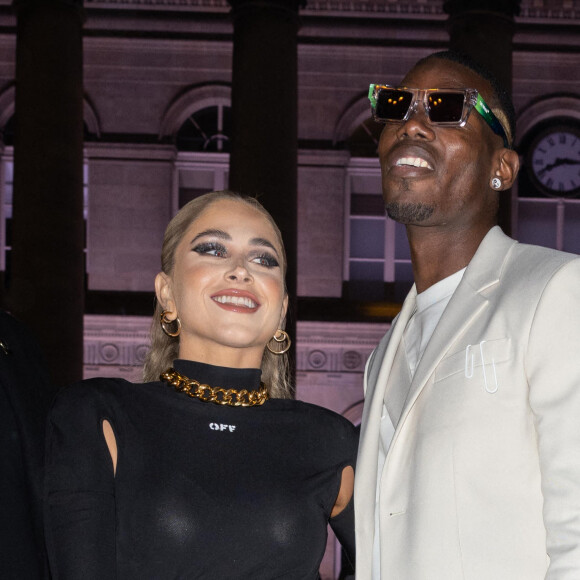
553,161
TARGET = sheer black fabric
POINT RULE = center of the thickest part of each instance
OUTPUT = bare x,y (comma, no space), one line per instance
201,490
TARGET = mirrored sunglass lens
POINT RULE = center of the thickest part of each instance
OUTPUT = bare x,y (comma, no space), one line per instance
445,107
392,104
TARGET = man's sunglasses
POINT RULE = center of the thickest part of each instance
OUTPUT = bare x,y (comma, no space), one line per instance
449,107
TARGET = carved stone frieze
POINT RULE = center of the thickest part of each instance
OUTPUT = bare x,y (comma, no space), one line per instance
112,342
336,347
115,345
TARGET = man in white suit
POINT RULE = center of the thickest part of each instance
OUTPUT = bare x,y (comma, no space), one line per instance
469,461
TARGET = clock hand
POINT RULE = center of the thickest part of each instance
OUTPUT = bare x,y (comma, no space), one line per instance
559,161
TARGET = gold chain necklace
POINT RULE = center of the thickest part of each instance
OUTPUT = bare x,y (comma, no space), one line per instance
218,395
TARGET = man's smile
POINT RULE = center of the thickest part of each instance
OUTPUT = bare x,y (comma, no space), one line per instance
406,159
413,162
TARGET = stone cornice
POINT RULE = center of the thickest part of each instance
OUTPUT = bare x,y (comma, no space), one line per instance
530,9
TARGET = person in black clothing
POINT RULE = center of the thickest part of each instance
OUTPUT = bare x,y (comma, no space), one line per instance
210,469
25,397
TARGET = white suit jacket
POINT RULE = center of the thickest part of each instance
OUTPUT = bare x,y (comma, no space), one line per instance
482,477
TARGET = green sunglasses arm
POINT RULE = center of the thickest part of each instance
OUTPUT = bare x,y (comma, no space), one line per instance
372,97
481,107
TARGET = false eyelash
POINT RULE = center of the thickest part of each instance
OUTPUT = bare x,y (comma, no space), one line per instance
271,262
207,247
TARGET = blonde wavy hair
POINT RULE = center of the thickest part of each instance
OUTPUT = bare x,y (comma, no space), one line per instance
165,349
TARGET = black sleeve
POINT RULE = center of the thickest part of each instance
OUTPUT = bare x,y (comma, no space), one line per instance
343,527
343,524
79,489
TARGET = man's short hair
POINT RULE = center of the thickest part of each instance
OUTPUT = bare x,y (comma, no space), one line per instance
501,105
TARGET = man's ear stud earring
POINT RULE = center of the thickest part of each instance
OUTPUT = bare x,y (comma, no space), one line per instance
496,182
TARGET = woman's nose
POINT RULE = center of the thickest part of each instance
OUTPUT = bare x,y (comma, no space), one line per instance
240,273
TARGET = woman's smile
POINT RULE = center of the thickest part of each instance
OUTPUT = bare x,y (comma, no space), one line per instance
236,300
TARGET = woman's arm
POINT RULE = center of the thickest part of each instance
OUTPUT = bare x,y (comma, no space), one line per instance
342,515
80,488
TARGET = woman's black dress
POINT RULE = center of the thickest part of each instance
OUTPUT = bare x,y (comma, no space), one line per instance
201,490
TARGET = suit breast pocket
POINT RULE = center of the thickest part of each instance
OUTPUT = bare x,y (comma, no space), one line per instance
480,365
476,390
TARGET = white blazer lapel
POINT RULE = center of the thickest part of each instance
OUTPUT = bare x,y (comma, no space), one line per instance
466,304
366,470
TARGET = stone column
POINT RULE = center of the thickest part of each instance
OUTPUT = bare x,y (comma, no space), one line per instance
264,146
484,30
46,285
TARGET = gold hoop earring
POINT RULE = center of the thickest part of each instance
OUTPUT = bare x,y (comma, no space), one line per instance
279,337
165,322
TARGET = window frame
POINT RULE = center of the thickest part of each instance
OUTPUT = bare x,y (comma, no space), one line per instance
369,167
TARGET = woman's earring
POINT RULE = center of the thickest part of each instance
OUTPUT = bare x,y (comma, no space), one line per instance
280,337
165,322
496,182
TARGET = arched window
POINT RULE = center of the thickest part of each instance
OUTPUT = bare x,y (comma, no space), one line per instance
377,261
208,129
199,123
364,140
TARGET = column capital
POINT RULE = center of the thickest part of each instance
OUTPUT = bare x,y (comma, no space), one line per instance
509,8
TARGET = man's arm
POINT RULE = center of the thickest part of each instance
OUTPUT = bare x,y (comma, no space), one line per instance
553,367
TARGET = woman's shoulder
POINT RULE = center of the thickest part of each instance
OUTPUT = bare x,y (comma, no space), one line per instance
327,435
95,392
93,386
313,409
321,417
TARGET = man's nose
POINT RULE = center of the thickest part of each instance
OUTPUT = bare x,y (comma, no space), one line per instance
417,125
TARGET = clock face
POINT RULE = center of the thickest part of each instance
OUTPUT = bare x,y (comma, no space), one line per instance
555,161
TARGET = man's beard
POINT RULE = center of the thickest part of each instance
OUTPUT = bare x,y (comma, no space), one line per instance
408,213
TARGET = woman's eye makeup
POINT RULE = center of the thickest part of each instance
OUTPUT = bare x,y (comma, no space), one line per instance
266,260
212,249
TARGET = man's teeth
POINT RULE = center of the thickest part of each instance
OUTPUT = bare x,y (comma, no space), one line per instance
413,161
236,300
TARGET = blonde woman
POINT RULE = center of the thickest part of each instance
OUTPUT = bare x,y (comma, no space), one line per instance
209,469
